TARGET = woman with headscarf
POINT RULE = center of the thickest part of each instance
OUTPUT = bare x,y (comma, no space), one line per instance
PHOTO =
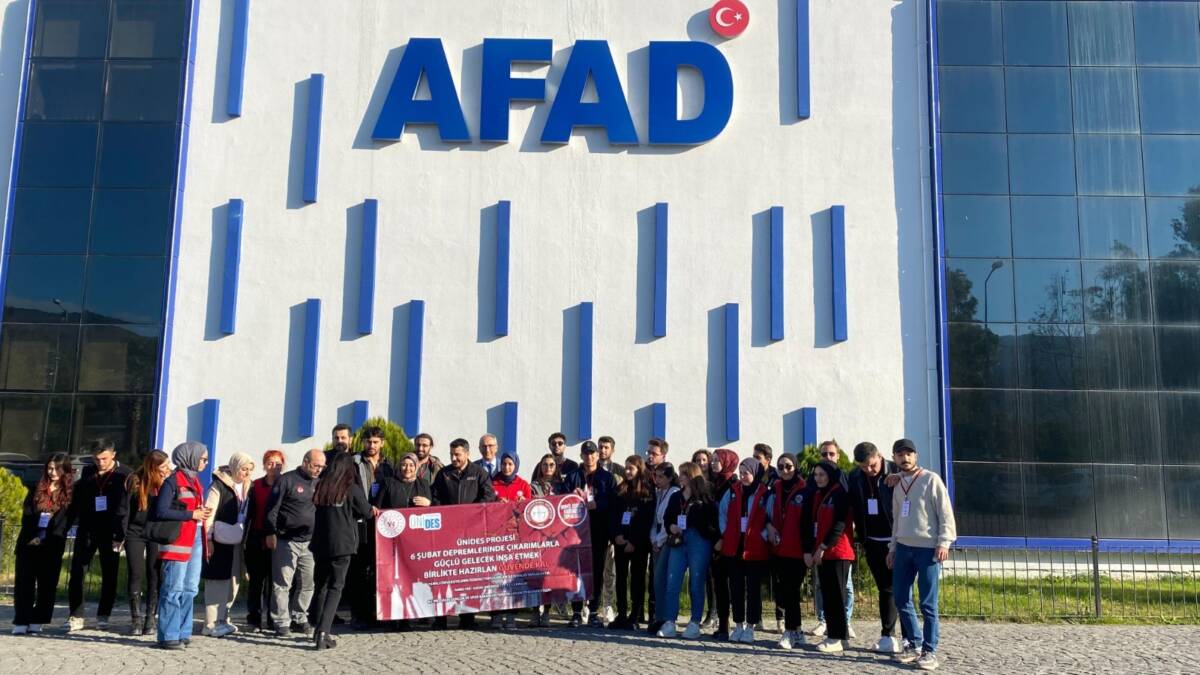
405,489
827,530
785,510
228,499
723,469
40,545
743,544
180,502
142,554
509,487
339,506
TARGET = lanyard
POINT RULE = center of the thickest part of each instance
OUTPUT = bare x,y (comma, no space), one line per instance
100,485
908,487
817,503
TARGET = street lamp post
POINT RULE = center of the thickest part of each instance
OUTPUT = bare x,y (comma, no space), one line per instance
996,264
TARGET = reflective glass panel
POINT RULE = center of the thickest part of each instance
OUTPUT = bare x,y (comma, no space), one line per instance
34,424
43,289
1179,416
1048,291
1108,164
1121,357
138,156
983,355
124,290
70,28
984,424
1051,356
1045,227
1172,165
142,91
1116,291
1174,226
974,164
1112,227
1054,426
1041,164
125,419
1035,33
1131,503
132,222
979,290
58,155
976,226
1124,427
64,90
118,358
50,221
1177,292
1179,358
145,29
1169,99
971,98
969,33
1167,33
1183,501
987,499
1038,100
1105,100
1063,499
38,357
1101,33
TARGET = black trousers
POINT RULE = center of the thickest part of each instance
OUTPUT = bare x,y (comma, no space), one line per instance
329,578
745,589
720,577
786,575
631,577
142,558
599,549
361,582
833,575
650,586
877,560
110,561
36,582
258,592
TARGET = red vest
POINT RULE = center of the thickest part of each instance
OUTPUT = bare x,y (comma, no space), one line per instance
787,512
755,547
190,495
842,549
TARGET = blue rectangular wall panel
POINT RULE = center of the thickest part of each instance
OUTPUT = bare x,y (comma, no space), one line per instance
412,376
803,72
808,425
508,440
837,245
660,270
210,415
237,57
658,420
308,374
585,370
503,233
366,279
358,414
776,272
732,424
233,261
312,136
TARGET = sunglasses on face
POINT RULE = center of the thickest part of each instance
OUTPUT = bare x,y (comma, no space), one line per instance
558,444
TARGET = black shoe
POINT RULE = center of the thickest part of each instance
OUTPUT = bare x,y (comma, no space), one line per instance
170,644
283,633
337,620
137,628
653,626
721,635
594,621
304,628
404,625
323,641
576,620
467,622
151,626
619,623
360,625
439,623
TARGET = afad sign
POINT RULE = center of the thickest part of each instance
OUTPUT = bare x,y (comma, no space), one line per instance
589,60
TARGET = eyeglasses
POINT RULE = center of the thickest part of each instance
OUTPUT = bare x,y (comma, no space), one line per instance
558,444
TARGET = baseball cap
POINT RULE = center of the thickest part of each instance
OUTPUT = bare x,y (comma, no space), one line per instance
587,448
904,445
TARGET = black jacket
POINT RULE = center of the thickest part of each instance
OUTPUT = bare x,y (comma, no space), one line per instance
469,486
106,526
604,490
335,528
135,519
396,494
291,514
701,515
862,489
641,516
55,533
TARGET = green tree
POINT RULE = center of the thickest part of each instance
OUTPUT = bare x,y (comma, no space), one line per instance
12,498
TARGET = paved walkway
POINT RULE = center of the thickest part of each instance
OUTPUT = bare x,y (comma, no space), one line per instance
966,648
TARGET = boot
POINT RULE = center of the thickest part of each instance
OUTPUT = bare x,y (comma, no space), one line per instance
151,627
135,614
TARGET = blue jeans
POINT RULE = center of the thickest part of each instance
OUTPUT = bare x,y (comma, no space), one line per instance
692,557
180,582
917,565
661,558
849,597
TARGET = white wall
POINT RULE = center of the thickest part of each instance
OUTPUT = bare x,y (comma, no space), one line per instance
575,229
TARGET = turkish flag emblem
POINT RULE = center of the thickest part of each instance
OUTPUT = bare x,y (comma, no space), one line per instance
729,18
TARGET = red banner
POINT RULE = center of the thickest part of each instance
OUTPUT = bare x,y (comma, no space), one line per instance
450,560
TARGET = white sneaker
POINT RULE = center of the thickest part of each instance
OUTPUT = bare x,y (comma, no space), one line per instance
928,661
785,642
908,655
223,629
586,614
886,645
668,630
74,623
830,646
20,630
692,631
208,631
850,634
609,614
736,635
35,628
748,635
818,630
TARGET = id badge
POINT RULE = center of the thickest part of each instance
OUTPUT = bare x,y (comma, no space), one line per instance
374,490
627,517
814,529
43,521
745,523
101,504
904,509
681,522
590,497
872,507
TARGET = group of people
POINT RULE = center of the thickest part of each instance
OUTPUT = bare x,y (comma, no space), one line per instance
731,526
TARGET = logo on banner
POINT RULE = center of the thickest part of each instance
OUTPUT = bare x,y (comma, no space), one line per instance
539,513
572,510
390,524
729,18
430,522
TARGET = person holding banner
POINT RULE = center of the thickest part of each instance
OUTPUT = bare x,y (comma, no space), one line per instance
631,517
598,487
509,487
428,466
691,519
372,469
461,483
743,519
339,505
405,491
546,481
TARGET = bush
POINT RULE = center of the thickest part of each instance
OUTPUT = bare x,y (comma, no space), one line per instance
396,443
12,498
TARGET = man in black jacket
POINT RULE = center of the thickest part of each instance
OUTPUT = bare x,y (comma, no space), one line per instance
461,483
372,472
288,528
871,499
599,489
98,506
557,442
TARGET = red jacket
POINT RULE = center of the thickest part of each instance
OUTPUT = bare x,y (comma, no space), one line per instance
823,508
755,547
512,492
787,512
190,494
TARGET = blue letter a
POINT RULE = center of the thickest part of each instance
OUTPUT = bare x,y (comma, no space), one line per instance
422,55
590,57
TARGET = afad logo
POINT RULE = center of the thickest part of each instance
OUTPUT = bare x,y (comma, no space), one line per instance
390,524
539,513
572,510
430,522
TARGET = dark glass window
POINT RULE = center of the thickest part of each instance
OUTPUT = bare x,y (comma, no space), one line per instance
125,419
1169,98
58,155
71,28
1048,291
51,221
118,358
1054,426
34,424
138,156
983,355
1108,164
974,164
1035,33
142,91
44,289
1116,291
64,90
979,290
132,222
1101,33
988,499
984,424
38,357
1179,358
1060,500
1174,226
976,226
148,29
1041,164
1131,502
1124,427
124,290
1177,292
1050,356
1179,424
1167,33
1105,100
1183,501
1045,227
972,99
1112,227
1172,165
1121,357
1038,100
969,33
